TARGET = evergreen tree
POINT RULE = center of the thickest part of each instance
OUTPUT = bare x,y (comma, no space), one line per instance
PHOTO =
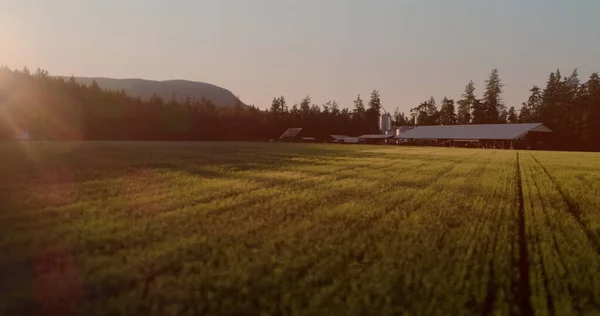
478,113
359,117
431,107
400,118
503,116
426,113
282,105
305,110
373,113
465,104
512,115
533,106
573,108
492,100
359,106
447,115
433,116
275,107
592,106
419,114
550,105
525,114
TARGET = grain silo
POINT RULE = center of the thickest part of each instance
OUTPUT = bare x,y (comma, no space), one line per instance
385,123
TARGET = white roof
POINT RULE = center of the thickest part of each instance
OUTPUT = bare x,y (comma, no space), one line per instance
291,132
475,131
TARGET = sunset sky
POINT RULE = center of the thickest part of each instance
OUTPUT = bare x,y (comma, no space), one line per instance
331,49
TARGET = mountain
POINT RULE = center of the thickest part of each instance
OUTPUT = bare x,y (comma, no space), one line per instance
182,88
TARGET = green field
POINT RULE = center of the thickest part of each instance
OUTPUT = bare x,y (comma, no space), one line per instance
126,228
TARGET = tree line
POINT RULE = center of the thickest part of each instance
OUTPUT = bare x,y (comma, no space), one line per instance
53,108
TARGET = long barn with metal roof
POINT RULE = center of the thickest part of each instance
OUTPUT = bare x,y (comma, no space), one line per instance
481,135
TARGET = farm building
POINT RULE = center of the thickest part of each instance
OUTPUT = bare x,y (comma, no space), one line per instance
399,131
343,139
523,135
337,138
296,135
403,128
374,139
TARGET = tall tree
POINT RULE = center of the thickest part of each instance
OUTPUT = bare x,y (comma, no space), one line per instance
447,115
533,106
373,112
305,109
492,99
573,108
512,115
592,106
550,107
419,114
400,118
503,116
425,113
465,104
433,115
525,114
359,116
478,113
276,106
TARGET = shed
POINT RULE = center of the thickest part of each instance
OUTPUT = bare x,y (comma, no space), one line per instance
291,134
374,138
337,138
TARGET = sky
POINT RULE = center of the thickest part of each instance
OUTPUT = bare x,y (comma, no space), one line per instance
330,49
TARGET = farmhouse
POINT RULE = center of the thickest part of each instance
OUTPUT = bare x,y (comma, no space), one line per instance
522,135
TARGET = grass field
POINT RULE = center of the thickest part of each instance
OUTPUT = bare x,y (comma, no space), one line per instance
270,228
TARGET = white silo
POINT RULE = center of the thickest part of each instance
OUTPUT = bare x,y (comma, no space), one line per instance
385,123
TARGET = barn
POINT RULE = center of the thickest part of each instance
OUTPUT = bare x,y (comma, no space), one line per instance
521,135
296,134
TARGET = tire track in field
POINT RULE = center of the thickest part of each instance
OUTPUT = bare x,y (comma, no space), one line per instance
543,265
575,214
572,207
524,288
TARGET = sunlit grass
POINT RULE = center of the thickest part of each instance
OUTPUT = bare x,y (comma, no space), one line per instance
230,228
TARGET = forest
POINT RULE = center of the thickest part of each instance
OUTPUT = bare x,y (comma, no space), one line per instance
53,108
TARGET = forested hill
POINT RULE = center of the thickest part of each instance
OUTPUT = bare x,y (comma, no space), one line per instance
165,89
